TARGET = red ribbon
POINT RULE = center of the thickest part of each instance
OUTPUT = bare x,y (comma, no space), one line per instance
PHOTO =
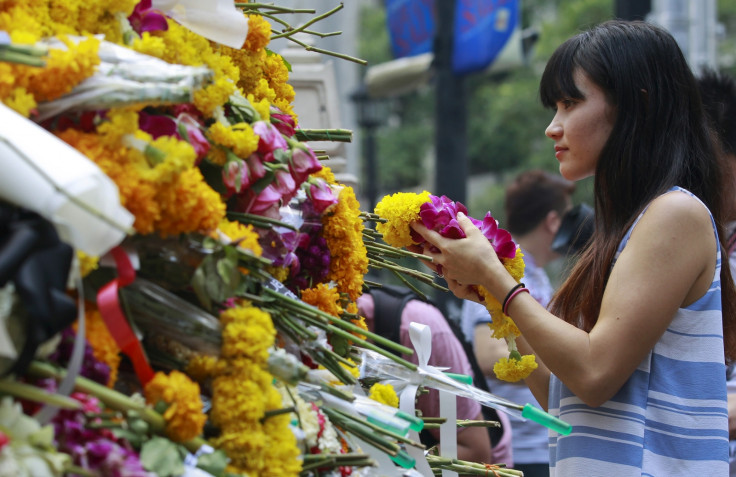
108,302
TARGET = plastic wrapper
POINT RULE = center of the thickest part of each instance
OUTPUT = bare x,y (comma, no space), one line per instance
126,77
376,366
170,325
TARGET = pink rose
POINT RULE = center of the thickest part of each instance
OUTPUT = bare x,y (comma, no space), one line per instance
303,162
269,138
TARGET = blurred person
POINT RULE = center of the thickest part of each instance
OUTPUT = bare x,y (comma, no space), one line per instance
391,319
718,91
535,204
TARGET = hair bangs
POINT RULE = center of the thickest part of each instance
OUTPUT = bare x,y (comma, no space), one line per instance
558,81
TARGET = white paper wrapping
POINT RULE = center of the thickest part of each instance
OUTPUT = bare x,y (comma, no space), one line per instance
44,174
216,20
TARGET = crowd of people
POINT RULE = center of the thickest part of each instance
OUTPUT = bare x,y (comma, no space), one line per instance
633,346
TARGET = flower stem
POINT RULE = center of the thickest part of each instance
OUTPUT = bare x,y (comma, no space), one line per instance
335,135
36,394
292,31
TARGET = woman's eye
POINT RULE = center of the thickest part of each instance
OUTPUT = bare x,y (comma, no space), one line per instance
567,103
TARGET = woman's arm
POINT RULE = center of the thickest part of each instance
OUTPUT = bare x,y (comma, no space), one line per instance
669,262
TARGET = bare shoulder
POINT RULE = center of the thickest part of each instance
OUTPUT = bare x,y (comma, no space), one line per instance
678,210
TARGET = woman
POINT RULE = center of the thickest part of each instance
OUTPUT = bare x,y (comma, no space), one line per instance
636,362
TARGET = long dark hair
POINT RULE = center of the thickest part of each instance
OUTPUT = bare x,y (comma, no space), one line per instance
660,139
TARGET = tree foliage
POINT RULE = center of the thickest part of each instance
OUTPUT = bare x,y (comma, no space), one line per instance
506,121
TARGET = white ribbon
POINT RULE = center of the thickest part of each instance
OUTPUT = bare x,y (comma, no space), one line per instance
216,20
421,340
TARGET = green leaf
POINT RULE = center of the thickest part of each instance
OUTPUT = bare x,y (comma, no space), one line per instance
339,345
161,456
199,285
214,463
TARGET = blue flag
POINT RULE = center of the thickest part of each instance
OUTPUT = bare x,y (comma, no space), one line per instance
482,28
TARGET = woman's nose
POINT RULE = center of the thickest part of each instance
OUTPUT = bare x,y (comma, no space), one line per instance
554,130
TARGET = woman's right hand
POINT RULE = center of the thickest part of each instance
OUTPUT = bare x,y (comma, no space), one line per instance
465,261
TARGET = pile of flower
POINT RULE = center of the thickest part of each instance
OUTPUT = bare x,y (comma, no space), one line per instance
242,245
440,214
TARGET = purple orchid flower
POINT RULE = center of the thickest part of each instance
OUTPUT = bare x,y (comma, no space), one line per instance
440,214
147,18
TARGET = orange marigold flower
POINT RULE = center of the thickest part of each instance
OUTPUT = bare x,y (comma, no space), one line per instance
343,232
324,297
184,417
259,33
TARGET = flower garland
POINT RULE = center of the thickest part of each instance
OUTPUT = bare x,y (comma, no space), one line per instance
343,231
243,393
440,214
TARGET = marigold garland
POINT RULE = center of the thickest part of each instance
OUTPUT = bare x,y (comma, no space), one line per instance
343,231
243,392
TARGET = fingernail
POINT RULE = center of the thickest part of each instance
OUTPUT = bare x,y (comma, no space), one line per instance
460,214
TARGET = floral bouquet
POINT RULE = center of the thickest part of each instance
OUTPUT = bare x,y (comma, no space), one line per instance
440,214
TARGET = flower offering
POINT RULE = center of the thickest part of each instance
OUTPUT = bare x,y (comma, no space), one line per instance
440,214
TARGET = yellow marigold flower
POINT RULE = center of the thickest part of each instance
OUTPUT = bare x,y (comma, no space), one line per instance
384,393
87,263
279,273
400,210
149,45
343,232
247,332
283,459
20,101
259,33
243,234
210,97
184,417
354,370
239,138
324,297
201,366
262,107
513,370
515,266
236,400
178,157
326,174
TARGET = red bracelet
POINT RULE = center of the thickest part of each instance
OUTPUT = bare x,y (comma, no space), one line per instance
511,297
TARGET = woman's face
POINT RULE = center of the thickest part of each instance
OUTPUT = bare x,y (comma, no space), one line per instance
580,129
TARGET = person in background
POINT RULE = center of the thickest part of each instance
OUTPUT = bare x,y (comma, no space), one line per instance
632,350
535,203
473,443
718,91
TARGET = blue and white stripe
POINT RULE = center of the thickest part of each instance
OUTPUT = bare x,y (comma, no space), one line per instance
669,418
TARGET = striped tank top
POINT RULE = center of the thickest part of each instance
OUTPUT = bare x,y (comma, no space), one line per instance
669,418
